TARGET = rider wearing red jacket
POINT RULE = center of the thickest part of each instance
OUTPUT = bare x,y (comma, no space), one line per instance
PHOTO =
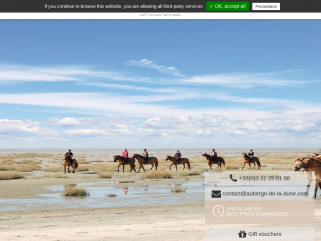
125,155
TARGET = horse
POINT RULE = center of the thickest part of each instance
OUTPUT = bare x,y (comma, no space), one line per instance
218,161
67,162
247,159
142,161
317,155
121,161
182,161
313,165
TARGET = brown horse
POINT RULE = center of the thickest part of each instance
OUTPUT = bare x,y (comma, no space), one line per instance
317,155
121,161
67,162
313,165
247,159
141,160
182,161
218,161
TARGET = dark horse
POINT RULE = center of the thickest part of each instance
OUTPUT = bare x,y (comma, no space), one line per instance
121,161
219,161
70,163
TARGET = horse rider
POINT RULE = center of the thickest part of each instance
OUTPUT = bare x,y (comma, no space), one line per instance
125,155
70,156
145,155
251,154
178,156
214,155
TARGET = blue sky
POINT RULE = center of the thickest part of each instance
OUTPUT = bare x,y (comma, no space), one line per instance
157,83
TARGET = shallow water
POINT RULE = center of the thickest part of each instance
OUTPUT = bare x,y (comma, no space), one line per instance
127,196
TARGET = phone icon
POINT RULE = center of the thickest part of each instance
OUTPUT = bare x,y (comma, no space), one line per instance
234,180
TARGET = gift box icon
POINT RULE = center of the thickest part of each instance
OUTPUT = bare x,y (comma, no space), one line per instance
242,234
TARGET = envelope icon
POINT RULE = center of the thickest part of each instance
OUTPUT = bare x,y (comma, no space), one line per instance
216,193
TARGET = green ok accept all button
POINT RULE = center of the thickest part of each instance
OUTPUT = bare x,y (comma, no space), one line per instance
227,6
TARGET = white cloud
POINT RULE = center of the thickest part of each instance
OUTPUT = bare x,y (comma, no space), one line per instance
99,102
68,121
103,129
161,68
278,125
207,128
82,74
13,128
243,81
130,87
18,73
87,132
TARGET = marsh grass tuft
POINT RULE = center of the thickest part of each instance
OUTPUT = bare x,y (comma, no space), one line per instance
27,162
105,168
105,175
178,189
6,168
232,166
72,191
10,175
27,168
8,162
59,175
187,173
156,175
54,169
83,162
111,195
83,168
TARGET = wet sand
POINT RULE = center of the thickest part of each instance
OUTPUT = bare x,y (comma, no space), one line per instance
140,223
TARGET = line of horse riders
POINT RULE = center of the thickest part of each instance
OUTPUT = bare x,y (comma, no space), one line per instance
177,159
310,164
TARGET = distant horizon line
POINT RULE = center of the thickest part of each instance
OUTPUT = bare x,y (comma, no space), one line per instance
177,148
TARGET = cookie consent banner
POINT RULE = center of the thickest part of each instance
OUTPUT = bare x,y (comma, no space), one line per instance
188,6
259,198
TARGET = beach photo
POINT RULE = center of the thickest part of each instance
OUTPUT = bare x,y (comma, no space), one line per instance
108,128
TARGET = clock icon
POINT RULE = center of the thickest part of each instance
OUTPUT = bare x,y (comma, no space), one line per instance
218,211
